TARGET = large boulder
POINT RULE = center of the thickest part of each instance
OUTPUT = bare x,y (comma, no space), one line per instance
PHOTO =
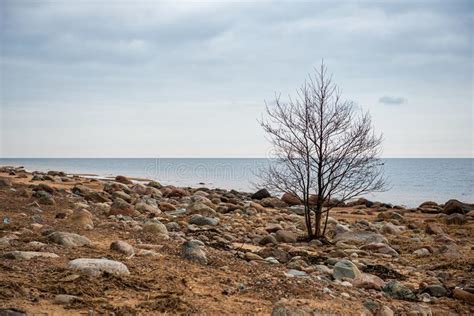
273,202
123,179
455,206
260,194
96,267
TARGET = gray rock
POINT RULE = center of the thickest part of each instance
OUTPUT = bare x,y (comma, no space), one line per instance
122,247
268,239
380,248
69,239
192,250
345,269
200,220
96,267
296,273
399,291
27,255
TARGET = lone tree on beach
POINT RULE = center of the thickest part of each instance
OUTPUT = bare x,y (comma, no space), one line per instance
325,149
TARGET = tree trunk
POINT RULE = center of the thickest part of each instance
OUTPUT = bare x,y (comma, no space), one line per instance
307,217
317,223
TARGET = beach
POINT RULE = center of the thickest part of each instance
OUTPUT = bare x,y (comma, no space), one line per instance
72,244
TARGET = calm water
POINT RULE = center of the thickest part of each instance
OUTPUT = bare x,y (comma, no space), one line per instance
412,181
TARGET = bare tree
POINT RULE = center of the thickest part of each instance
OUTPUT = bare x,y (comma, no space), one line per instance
325,150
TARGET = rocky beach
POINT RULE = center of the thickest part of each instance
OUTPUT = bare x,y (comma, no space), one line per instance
74,245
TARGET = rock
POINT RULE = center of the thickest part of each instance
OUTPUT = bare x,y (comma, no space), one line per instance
339,229
121,207
290,199
96,267
463,295
155,227
268,239
345,269
450,251
260,194
123,179
368,281
200,220
455,206
122,195
436,290
380,248
360,237
69,239
371,305
192,250
285,236
122,247
64,299
250,256
399,291
455,219
44,197
27,255
272,202
323,269
5,183
175,192
433,228
146,208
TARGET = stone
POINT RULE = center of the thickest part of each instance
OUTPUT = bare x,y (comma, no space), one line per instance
27,255
282,308
434,229
64,299
200,220
95,267
121,207
455,206
192,250
436,290
69,239
155,227
122,247
380,248
146,208
360,237
250,256
260,194
122,195
455,219
123,179
44,197
345,269
385,311
371,305
155,184
399,291
323,269
368,281
290,199
285,236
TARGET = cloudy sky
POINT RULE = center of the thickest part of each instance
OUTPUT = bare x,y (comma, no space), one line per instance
189,79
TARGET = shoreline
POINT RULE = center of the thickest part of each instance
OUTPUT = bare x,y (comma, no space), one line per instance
203,250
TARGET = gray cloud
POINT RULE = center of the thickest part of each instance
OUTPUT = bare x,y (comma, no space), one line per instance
388,100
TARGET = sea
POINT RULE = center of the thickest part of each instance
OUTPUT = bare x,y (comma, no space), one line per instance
410,181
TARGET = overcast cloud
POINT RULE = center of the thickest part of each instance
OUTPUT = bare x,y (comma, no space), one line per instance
189,79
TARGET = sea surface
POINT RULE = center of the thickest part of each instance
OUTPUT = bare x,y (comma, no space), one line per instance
411,181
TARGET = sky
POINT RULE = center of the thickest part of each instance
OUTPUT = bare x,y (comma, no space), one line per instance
190,79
